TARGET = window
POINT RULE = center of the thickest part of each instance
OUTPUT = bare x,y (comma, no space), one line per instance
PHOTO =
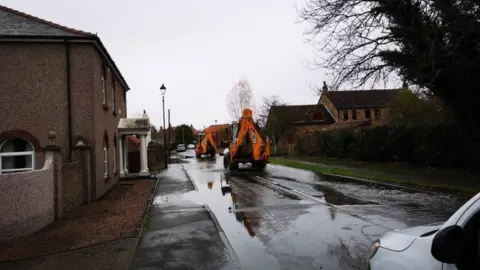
377,114
113,93
16,155
354,114
104,93
345,115
105,156
368,114
317,116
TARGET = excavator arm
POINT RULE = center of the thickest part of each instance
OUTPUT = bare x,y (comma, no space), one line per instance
260,148
203,146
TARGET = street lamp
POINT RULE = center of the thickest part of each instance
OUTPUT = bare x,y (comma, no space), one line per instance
163,89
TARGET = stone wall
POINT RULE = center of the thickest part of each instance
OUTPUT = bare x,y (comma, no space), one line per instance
27,201
72,186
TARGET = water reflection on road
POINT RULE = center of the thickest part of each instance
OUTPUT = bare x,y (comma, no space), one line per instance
294,219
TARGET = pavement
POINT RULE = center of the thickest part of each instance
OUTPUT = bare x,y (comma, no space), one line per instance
283,218
110,255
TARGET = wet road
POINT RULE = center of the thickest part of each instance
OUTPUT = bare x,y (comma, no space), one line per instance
282,218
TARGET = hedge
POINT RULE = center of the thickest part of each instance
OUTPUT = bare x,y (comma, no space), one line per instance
419,144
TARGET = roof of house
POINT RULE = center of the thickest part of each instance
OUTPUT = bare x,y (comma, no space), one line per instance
14,22
19,25
195,131
214,128
301,113
138,123
361,98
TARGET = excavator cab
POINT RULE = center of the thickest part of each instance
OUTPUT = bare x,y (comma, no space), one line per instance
247,144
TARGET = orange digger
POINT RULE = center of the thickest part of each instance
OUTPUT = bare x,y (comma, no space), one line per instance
247,145
206,146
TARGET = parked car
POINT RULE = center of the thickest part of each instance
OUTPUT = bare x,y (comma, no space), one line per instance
181,148
191,146
454,244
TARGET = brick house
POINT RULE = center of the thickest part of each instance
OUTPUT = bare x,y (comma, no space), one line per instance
55,78
335,109
222,132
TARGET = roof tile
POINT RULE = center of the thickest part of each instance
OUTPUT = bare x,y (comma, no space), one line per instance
17,23
301,113
361,98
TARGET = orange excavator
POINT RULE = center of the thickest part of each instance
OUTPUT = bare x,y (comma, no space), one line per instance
206,146
247,145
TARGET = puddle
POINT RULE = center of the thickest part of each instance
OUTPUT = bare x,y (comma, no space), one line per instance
337,198
174,160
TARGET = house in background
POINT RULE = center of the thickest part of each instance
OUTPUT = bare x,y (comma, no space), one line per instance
62,81
334,110
222,132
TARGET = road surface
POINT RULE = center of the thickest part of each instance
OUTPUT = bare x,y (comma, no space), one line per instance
282,218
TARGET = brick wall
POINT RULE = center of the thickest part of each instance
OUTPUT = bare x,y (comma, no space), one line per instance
27,201
361,114
329,106
33,92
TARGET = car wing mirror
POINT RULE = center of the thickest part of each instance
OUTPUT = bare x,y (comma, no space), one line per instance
447,244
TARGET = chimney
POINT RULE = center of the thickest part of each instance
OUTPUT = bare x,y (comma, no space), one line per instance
324,87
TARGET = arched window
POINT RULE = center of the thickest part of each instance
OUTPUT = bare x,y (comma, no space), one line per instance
105,155
16,155
114,153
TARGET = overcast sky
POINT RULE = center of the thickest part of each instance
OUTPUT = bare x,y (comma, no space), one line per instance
198,49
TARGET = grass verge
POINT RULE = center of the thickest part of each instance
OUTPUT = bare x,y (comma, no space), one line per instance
466,187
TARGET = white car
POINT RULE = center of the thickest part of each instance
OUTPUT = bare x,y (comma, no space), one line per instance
191,146
181,148
454,244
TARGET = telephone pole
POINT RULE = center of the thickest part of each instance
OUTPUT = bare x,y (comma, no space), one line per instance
169,143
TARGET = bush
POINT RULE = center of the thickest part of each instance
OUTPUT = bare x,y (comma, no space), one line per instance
419,144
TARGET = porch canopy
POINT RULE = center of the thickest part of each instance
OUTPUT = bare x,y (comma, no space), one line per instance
129,127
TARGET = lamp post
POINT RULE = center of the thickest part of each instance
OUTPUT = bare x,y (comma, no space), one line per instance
163,89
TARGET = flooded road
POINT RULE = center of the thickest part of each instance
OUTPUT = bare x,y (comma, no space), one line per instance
282,218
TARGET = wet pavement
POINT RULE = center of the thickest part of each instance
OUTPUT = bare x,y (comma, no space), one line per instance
283,218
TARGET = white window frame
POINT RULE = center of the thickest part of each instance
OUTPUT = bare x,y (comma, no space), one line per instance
105,156
104,86
14,154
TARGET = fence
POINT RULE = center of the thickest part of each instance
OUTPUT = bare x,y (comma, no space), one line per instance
156,156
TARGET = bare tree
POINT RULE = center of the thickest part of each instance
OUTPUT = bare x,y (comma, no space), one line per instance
267,103
239,98
348,37
432,44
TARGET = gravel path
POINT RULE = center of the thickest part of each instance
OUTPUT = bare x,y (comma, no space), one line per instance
117,215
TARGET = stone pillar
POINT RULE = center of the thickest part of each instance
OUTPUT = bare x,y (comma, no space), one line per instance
120,146
125,155
83,154
53,149
143,156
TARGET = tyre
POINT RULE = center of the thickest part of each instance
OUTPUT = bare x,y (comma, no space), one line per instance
226,161
260,166
233,167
